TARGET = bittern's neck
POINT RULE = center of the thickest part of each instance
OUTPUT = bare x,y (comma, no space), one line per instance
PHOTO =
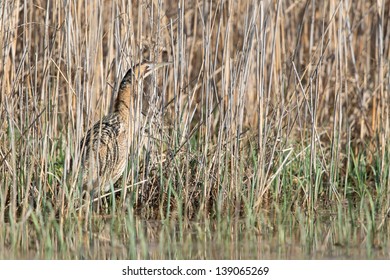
124,102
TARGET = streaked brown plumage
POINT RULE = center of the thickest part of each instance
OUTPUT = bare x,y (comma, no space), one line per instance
105,145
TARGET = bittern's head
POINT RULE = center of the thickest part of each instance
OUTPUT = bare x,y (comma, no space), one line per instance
140,71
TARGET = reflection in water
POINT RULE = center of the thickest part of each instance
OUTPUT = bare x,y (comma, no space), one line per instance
266,236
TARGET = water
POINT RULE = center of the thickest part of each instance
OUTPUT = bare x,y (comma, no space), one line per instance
264,236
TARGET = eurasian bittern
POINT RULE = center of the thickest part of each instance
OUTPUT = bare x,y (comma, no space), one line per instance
104,148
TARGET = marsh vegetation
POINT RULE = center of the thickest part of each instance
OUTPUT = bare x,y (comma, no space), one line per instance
267,137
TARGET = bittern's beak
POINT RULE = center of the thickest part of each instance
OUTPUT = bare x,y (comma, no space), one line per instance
151,67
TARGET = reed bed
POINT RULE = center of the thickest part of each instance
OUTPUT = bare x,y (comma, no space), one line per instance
272,112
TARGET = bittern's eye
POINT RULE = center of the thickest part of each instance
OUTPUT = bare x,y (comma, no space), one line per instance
148,67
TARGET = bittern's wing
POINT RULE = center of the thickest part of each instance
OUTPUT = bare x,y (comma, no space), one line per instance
100,150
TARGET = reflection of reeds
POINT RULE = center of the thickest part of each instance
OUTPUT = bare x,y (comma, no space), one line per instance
269,105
